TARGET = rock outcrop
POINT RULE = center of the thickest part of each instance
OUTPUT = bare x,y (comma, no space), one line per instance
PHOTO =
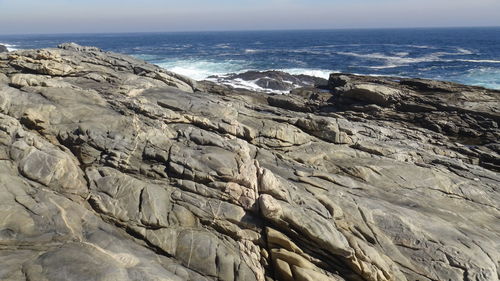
114,169
3,49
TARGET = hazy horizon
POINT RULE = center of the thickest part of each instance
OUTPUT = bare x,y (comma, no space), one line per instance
127,16
250,30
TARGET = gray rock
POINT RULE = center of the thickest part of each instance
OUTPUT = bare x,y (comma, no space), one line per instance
115,169
3,49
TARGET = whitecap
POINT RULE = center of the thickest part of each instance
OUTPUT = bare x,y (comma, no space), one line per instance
401,54
420,46
386,66
252,51
397,61
463,51
223,46
478,61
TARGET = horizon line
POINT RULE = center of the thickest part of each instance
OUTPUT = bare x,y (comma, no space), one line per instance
251,30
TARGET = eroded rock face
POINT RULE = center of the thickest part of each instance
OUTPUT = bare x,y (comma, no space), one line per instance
113,169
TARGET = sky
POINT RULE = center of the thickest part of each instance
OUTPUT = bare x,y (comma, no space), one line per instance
102,16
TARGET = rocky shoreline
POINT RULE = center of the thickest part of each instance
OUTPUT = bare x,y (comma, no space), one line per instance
3,49
267,81
115,169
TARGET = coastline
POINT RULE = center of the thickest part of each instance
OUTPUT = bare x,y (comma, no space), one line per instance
115,164
431,53
10,48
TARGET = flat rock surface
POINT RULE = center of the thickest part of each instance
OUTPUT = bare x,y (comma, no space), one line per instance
114,169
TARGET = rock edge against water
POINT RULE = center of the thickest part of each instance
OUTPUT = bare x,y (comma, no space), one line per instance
114,169
3,49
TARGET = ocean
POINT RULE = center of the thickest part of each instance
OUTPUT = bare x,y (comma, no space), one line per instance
464,55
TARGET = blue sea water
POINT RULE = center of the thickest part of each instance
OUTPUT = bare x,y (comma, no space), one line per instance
465,55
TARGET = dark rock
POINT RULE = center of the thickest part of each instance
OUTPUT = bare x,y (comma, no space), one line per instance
271,81
428,85
289,103
338,80
78,48
410,100
3,49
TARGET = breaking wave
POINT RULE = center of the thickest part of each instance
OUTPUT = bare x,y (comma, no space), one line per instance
485,77
201,69
479,61
9,47
246,84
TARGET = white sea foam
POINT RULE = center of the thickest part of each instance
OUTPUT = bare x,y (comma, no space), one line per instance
401,54
252,51
201,69
386,66
402,59
420,46
465,51
322,73
488,77
479,61
392,61
359,45
9,47
250,85
244,84
223,46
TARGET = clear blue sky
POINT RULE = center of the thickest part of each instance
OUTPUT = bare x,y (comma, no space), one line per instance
56,16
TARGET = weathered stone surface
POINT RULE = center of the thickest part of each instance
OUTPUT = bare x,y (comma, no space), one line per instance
114,169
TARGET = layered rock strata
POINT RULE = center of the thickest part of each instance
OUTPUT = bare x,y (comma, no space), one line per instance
115,169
